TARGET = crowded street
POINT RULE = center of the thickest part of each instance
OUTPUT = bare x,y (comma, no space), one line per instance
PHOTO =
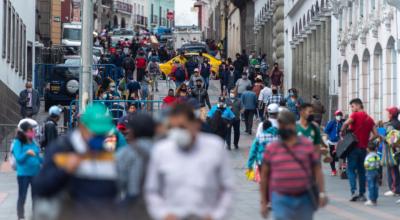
199,110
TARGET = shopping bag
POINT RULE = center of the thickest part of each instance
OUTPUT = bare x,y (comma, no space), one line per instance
250,175
346,145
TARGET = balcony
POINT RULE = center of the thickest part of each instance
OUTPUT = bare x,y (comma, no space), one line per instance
140,20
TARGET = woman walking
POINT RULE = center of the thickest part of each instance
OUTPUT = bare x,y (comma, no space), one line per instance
28,161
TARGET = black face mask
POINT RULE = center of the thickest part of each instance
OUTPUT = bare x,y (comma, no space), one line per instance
198,86
286,134
274,91
310,118
231,69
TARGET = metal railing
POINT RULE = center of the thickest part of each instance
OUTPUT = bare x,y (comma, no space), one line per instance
117,108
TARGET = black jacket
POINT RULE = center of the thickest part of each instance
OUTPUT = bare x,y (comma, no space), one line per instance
50,132
202,97
23,100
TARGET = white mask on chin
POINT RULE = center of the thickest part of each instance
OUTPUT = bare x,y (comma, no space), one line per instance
338,118
181,137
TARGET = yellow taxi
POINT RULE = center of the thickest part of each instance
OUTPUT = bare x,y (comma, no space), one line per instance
166,67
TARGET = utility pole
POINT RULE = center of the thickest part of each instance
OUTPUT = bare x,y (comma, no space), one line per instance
85,77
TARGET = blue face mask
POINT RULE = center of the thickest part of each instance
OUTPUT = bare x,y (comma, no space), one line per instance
96,143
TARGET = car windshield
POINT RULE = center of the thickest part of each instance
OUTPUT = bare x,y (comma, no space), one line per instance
62,73
72,34
194,48
123,32
73,62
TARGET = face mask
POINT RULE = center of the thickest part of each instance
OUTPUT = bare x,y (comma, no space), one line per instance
198,86
197,113
338,118
112,88
310,118
30,134
29,89
232,96
285,134
96,143
231,69
181,137
274,91
244,77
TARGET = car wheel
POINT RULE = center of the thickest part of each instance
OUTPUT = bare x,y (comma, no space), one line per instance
72,86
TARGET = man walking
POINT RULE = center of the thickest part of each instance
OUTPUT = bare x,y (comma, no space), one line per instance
290,167
236,106
205,72
29,101
276,98
201,95
154,71
276,77
202,190
362,125
50,132
242,84
249,102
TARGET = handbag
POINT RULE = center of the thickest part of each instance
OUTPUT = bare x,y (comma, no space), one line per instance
313,189
345,145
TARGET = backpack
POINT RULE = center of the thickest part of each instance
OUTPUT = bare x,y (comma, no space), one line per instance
153,68
140,63
180,74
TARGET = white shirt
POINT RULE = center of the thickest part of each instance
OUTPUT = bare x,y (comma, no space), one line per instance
198,182
265,93
273,121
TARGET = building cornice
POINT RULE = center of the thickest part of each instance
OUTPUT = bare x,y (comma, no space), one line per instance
295,7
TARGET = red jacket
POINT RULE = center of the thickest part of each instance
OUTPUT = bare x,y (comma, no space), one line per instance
169,100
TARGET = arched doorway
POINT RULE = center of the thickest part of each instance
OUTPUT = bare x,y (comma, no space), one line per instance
344,79
123,23
115,24
390,77
376,83
365,79
355,74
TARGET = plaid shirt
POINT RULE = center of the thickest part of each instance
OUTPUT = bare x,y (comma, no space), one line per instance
277,99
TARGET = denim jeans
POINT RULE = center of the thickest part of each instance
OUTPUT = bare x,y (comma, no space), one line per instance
355,166
23,184
373,186
248,119
206,82
393,176
286,207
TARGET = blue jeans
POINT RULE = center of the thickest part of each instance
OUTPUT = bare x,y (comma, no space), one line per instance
373,187
393,176
286,207
23,184
355,166
206,82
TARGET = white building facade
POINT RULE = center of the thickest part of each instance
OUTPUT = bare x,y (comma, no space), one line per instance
368,55
311,64
17,36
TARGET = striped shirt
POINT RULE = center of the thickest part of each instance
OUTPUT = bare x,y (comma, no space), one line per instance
286,175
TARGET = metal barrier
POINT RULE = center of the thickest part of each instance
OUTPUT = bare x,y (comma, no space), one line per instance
7,134
43,71
117,108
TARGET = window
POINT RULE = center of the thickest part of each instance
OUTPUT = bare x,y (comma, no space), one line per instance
152,13
3,48
13,38
361,8
160,14
29,59
9,32
24,52
16,44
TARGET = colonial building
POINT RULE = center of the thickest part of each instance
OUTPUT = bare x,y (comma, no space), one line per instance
368,56
158,13
17,36
311,55
269,30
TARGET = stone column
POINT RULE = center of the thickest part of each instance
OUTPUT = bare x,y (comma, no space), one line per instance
301,61
322,70
328,67
313,64
294,59
310,62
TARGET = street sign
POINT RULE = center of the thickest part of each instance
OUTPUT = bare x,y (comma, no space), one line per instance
170,15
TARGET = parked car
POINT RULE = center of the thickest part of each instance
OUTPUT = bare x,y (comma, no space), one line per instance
62,85
194,47
121,34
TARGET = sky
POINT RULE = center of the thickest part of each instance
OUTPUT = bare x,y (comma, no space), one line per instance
183,12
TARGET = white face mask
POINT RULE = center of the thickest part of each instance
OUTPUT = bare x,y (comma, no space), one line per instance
338,118
197,113
232,96
181,137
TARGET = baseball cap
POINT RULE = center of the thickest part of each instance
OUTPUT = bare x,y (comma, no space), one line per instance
273,108
196,70
55,110
338,112
97,119
393,110
26,123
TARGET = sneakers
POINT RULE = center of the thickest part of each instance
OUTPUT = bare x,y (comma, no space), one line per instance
333,173
390,193
370,203
361,198
353,197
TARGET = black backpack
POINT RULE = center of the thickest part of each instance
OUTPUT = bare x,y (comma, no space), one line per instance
180,74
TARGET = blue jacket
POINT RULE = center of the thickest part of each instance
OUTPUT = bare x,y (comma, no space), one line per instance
257,149
332,129
227,114
249,100
26,165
